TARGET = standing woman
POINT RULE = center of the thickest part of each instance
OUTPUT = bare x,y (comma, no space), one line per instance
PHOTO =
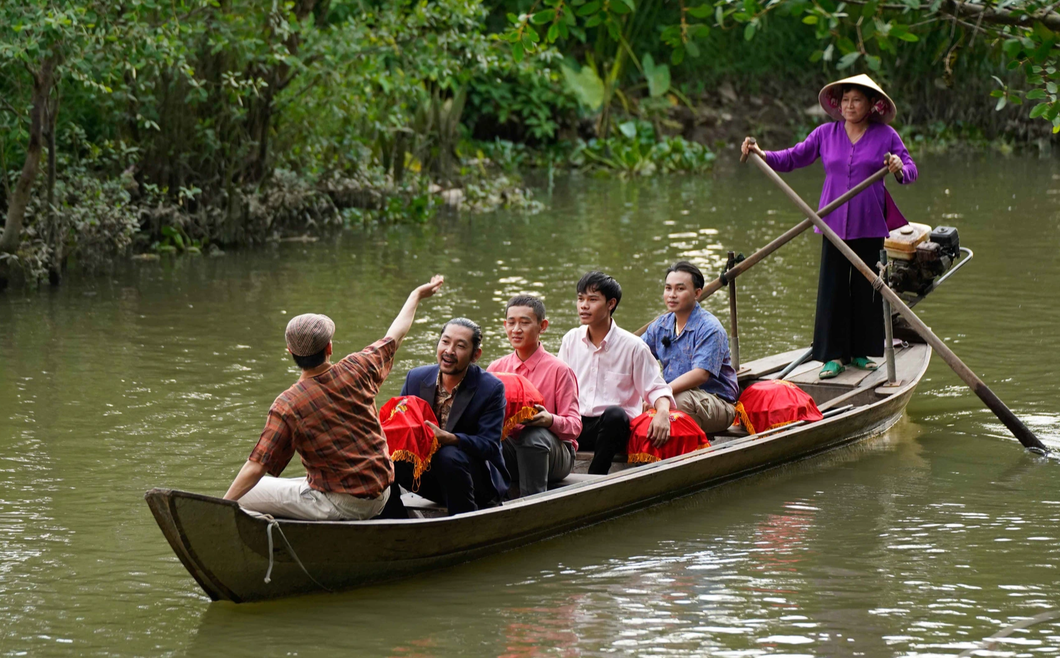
849,325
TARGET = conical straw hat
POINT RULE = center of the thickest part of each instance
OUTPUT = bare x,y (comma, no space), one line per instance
884,110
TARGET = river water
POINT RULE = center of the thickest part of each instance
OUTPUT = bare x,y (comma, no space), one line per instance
921,542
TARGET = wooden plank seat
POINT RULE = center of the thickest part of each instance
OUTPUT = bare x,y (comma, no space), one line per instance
415,501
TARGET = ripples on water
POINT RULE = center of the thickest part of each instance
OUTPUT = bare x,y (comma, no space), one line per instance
922,542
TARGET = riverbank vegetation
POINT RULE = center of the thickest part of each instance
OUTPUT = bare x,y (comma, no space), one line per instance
155,127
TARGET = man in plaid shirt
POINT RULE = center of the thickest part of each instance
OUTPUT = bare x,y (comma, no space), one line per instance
329,418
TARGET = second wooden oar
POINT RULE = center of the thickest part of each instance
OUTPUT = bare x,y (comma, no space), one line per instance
1004,414
749,262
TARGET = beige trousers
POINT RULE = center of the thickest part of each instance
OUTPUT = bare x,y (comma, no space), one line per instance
710,412
292,498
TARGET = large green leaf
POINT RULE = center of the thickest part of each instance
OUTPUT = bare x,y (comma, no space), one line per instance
586,86
658,76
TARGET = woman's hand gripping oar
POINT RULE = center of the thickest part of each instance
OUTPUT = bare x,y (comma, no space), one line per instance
749,262
1004,414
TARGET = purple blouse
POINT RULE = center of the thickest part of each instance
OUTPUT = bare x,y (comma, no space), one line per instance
869,214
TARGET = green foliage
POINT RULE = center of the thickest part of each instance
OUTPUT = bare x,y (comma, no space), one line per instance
175,240
95,221
228,122
1021,35
606,35
586,85
526,101
634,151
658,76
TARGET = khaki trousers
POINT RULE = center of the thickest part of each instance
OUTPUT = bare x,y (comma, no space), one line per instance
710,412
292,498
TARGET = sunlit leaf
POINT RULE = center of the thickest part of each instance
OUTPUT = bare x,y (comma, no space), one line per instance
658,76
586,86
846,61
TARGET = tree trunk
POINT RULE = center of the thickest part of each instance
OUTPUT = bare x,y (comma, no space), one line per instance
259,120
56,226
16,209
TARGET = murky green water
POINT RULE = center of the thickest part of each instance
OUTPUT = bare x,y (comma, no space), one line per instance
921,542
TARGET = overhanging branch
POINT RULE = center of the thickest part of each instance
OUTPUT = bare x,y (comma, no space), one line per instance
1047,16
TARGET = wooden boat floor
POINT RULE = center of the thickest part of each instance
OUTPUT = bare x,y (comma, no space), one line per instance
807,374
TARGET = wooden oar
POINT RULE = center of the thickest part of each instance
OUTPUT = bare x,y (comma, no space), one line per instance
1004,414
749,262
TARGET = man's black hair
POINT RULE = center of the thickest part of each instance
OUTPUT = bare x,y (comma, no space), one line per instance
476,331
535,304
688,268
603,284
311,361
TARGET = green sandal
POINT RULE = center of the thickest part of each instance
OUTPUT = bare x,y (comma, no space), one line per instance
863,363
831,369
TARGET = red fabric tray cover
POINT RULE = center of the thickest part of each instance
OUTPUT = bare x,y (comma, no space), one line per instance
773,403
685,436
521,395
407,437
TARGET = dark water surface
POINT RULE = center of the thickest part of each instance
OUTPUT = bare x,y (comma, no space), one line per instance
921,542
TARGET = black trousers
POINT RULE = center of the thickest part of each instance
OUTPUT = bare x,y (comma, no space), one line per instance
606,435
456,479
849,312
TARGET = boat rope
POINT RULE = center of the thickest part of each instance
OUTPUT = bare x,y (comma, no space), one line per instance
990,641
273,523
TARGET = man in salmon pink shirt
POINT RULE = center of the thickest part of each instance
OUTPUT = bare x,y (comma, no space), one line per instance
543,449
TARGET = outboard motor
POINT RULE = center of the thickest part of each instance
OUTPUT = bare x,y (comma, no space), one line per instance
918,255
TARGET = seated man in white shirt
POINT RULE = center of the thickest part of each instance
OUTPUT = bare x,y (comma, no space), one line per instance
616,373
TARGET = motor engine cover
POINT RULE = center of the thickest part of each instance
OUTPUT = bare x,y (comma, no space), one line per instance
947,239
917,274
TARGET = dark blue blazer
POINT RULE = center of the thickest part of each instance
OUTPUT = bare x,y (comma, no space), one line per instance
476,417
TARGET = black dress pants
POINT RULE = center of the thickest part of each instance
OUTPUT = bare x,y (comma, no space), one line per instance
455,479
849,312
606,435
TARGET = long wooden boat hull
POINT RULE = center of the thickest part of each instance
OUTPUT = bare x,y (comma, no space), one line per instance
226,549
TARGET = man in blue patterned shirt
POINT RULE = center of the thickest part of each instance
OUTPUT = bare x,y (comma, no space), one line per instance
693,348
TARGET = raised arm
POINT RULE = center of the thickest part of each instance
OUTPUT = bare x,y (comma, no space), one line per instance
803,154
399,328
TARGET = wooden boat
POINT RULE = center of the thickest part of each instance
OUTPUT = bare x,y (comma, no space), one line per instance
229,551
